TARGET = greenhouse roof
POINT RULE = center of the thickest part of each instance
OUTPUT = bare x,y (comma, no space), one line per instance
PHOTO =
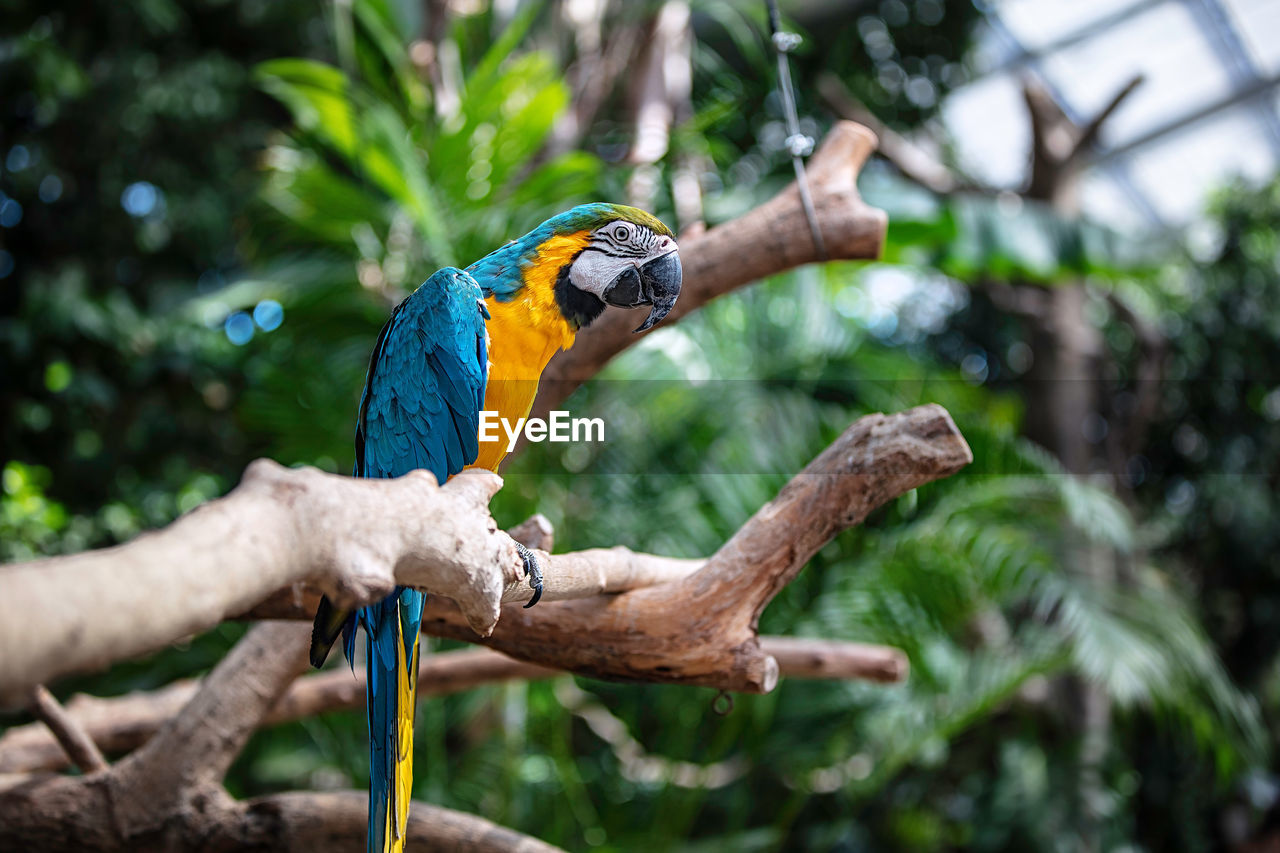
1208,108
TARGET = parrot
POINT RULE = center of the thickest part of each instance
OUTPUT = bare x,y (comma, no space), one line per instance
466,341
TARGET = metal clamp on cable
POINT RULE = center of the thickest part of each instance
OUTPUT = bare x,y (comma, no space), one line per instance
785,42
798,145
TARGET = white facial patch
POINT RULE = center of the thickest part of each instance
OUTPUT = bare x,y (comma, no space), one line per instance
614,248
594,270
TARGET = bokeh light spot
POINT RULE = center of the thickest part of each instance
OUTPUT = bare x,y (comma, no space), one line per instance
57,376
975,368
50,189
239,328
268,315
140,198
10,213
19,158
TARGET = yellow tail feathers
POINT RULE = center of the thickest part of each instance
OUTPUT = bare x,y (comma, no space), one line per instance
402,775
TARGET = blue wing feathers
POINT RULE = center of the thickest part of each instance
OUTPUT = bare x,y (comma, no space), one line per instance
420,409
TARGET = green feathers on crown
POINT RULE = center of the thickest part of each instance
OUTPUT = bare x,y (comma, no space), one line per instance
589,216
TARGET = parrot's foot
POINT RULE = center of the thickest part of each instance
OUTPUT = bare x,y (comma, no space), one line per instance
533,572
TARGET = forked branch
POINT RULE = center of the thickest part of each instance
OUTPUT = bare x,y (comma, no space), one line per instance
701,629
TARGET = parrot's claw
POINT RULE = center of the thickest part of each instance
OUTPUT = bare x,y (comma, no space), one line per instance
533,572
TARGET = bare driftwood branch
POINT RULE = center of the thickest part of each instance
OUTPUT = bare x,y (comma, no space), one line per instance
771,238
312,822
698,627
67,733
353,539
168,795
51,813
534,532
801,657
123,723
197,746
701,629
299,601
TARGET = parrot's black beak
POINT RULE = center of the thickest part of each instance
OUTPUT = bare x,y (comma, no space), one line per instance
657,283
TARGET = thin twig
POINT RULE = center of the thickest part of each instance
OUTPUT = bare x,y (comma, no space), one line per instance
73,739
1089,133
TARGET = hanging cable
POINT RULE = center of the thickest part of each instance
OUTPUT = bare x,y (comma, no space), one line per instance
798,145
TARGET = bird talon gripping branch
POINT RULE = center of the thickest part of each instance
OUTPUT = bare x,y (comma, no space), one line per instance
533,572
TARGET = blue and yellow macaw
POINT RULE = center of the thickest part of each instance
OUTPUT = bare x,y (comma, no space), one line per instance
464,341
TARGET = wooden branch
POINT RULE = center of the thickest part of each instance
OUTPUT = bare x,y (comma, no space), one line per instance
600,571
1057,143
183,803
121,724
311,822
63,813
195,748
534,532
578,574
698,627
67,733
168,794
771,238
116,725
801,657
702,629
299,601
352,539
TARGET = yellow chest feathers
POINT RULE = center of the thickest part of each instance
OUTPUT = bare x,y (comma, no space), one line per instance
523,335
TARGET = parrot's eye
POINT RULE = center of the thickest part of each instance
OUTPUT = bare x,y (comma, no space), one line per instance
622,233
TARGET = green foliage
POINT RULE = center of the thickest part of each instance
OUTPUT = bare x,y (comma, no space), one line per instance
30,523
1215,448
302,162
151,104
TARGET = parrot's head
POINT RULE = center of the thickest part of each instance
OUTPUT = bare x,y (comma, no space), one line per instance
629,259
588,257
